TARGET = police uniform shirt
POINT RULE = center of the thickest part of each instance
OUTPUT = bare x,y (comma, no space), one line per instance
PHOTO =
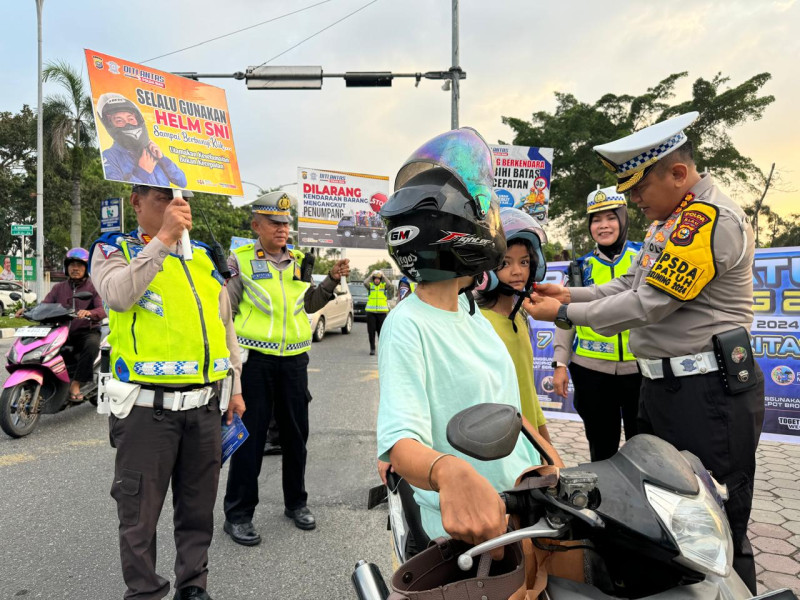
314,299
563,353
708,282
121,284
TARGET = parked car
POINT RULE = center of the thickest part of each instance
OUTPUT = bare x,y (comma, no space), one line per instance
360,295
337,313
6,288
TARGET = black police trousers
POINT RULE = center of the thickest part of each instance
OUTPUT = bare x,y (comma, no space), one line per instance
153,450
694,413
271,385
600,399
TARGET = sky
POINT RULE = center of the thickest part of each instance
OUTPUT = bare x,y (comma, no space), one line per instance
516,54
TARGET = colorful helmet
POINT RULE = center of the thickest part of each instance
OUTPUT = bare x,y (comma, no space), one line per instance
518,225
76,254
605,199
442,222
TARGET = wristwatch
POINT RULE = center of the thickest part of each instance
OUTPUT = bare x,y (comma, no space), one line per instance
555,364
561,321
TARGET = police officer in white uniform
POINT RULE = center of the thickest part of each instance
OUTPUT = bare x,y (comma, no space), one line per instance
688,303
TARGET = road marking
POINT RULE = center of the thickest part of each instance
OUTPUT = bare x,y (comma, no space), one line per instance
15,459
314,370
94,442
371,375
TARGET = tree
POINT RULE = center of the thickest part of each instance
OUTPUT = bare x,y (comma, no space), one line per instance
356,275
379,266
69,127
575,127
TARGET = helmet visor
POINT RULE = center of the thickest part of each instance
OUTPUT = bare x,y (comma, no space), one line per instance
465,154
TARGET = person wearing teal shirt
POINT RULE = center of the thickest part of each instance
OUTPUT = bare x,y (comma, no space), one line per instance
438,355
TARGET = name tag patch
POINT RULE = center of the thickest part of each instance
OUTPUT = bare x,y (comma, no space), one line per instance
675,275
266,275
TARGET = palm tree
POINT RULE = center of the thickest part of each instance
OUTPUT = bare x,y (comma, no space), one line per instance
69,127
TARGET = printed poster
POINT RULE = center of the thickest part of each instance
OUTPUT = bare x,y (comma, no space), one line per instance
340,210
775,340
522,178
159,129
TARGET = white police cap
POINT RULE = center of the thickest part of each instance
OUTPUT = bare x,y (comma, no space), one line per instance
605,199
631,158
274,205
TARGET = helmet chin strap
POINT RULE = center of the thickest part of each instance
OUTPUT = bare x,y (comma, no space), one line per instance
470,298
520,298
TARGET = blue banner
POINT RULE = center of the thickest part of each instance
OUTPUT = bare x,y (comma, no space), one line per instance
775,331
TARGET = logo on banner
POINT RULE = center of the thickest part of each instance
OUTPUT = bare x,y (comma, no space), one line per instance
400,235
783,375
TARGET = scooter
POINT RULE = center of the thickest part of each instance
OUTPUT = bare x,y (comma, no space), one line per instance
39,382
650,519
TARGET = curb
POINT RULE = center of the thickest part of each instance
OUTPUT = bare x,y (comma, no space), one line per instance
7,332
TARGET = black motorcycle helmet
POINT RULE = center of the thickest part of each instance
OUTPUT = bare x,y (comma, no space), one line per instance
442,222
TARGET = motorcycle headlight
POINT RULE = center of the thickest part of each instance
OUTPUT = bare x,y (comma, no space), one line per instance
699,527
12,355
41,354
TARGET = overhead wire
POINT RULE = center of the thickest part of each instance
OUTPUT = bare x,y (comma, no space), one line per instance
318,32
219,37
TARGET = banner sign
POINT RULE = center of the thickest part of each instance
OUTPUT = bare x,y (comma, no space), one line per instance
522,178
775,333
12,269
111,215
159,129
340,210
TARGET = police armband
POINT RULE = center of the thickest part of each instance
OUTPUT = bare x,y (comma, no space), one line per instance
686,265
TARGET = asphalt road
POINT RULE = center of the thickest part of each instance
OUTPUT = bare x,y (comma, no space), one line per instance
58,524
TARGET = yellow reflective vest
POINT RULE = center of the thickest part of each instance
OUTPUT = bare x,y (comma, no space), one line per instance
597,271
173,334
271,318
376,302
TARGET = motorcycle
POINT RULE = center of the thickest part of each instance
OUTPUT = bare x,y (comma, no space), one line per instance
38,381
650,519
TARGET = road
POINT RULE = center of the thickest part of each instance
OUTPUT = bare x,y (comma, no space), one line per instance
58,524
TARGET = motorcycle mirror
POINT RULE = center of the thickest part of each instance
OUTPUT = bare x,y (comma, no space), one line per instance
485,431
82,295
15,296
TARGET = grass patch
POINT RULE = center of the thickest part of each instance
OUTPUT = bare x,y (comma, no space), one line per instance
12,322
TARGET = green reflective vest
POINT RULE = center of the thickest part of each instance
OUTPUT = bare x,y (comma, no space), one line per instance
271,317
588,342
173,334
376,302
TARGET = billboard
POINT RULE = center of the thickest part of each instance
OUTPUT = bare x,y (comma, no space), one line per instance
775,340
522,178
340,210
159,129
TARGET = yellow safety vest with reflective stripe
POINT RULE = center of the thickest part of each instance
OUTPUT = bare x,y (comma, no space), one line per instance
376,302
271,317
173,334
588,342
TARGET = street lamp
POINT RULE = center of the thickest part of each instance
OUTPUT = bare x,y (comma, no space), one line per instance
39,169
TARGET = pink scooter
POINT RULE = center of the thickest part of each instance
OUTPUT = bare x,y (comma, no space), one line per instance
39,381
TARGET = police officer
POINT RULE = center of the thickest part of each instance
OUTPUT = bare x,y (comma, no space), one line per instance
172,345
377,304
690,291
271,293
603,369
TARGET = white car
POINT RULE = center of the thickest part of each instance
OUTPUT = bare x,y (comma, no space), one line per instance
6,288
337,313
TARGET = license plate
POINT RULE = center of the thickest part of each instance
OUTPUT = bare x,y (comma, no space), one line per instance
32,332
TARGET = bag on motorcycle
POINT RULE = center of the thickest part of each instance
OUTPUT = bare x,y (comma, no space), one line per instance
547,556
433,574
